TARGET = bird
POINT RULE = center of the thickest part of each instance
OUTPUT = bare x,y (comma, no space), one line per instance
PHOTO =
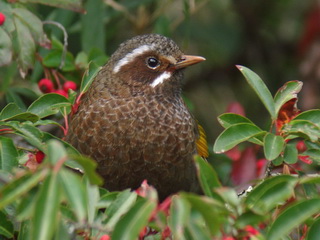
134,123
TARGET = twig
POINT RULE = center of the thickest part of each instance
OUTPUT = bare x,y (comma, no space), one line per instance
65,41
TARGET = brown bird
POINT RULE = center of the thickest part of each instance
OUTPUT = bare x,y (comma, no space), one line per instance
133,121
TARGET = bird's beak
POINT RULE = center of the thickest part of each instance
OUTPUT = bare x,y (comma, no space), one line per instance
188,60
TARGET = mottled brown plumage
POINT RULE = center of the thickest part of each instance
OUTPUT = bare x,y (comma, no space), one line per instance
133,121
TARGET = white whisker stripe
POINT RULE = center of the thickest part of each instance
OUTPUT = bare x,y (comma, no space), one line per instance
132,55
164,76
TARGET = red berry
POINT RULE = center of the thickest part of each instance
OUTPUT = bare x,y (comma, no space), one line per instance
2,18
61,92
40,156
69,85
46,85
301,146
105,237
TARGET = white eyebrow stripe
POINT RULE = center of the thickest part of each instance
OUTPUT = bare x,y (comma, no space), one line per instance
130,56
164,76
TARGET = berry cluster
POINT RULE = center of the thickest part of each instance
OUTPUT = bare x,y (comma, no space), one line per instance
2,18
47,86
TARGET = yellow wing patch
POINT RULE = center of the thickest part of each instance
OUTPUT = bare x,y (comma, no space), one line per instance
202,145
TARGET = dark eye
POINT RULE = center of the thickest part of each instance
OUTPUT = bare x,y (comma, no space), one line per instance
152,62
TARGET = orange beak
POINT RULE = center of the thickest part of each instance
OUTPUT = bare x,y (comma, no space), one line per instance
188,60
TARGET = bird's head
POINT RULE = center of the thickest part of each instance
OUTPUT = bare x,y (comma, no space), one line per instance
149,63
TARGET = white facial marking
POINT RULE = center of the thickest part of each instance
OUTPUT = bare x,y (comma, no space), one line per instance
132,55
164,76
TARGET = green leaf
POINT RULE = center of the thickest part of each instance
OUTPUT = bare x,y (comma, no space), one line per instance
180,211
207,176
314,154
54,57
278,161
124,201
89,167
286,93
89,75
213,212
292,217
8,154
6,227
273,146
314,231
290,155
228,119
95,12
304,128
75,192
311,115
18,187
260,88
56,152
5,48
46,215
74,5
32,21
12,112
270,193
48,104
29,132
133,221
26,46
249,218
234,135
24,231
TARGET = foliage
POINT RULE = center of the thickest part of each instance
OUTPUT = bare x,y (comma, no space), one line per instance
50,191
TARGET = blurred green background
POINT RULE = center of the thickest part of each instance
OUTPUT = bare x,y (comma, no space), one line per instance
262,35
270,37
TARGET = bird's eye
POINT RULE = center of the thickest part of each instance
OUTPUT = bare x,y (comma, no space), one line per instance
152,62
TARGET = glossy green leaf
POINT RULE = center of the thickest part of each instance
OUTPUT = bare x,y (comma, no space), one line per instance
8,154
290,155
134,220
278,161
196,229
122,204
46,215
287,92
292,217
26,46
234,135
180,210
6,226
270,193
48,104
30,133
260,88
273,146
304,127
32,22
207,176
89,75
228,119
311,115
314,231
12,112
74,190
6,48
18,187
